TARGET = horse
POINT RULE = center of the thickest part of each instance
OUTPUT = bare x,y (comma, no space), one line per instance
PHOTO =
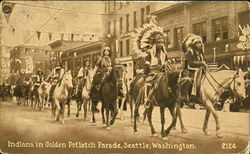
5,92
85,96
19,91
213,84
122,95
109,92
60,96
26,92
165,96
43,93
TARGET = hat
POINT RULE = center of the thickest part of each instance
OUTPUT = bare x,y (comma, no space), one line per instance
189,40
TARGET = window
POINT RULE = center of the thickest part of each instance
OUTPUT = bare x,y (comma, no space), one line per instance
219,28
168,43
109,27
148,10
200,29
178,37
135,21
127,47
120,24
115,27
108,6
142,16
114,5
127,23
121,48
244,18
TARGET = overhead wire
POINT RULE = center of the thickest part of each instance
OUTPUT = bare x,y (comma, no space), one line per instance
46,22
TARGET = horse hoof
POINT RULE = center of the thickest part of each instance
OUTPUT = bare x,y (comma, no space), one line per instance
108,129
122,118
154,135
136,133
184,130
68,115
77,115
165,138
219,134
93,124
207,133
174,128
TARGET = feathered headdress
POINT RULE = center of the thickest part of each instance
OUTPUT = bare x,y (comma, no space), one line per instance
147,36
189,40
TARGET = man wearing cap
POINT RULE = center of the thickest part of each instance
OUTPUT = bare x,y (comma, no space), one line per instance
101,71
195,62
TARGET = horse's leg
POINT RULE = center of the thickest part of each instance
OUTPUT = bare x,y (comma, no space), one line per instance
178,113
121,109
107,120
205,130
210,107
131,109
136,115
77,108
57,104
115,114
145,114
103,117
174,117
85,103
62,111
68,114
162,112
150,110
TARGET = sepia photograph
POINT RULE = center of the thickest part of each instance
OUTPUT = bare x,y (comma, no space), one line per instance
124,77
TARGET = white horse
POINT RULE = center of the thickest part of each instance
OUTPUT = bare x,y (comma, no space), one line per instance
212,85
85,96
60,95
43,92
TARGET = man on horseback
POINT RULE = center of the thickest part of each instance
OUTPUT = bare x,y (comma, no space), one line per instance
150,42
155,60
195,62
55,76
101,71
81,78
38,79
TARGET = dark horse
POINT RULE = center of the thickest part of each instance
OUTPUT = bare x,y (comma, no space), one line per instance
166,95
109,92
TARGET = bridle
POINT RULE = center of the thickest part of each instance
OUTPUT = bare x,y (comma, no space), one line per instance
222,87
116,79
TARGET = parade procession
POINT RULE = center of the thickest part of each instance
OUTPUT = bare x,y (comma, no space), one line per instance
124,76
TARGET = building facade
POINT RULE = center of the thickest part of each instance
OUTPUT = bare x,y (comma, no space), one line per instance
216,22
30,59
121,18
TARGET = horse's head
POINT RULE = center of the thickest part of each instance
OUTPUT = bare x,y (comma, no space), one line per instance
119,74
238,84
67,79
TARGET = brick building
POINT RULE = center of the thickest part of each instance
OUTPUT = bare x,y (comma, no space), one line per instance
120,21
30,59
216,22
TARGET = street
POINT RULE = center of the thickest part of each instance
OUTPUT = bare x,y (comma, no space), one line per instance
24,130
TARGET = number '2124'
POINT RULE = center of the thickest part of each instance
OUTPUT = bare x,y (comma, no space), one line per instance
228,146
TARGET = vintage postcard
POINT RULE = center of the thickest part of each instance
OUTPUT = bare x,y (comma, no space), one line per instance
124,76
